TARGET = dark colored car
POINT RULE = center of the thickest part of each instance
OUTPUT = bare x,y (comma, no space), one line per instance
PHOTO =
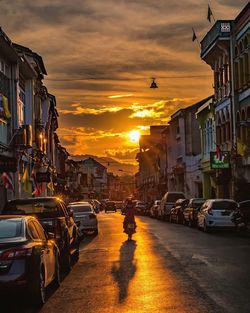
110,207
244,208
176,213
55,218
29,260
191,211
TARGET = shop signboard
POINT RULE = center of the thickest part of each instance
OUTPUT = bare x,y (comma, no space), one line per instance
220,160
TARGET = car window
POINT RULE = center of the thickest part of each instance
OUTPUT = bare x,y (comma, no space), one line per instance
32,230
10,228
80,208
172,197
40,230
224,205
39,208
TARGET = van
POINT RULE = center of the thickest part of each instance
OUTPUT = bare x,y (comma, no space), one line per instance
167,203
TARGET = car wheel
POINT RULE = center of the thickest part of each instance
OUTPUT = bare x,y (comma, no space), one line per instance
39,290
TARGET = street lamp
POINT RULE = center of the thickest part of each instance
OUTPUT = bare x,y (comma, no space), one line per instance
153,84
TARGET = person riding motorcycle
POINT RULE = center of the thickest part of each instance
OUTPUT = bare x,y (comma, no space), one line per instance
129,214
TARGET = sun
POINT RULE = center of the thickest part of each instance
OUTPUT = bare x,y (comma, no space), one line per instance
134,136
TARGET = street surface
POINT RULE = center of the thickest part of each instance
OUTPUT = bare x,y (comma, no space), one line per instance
167,268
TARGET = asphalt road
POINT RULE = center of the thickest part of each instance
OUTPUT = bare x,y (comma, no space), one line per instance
167,268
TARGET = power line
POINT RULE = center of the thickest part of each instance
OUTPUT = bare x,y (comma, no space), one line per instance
123,79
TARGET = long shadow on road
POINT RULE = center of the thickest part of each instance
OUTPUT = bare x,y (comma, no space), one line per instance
124,270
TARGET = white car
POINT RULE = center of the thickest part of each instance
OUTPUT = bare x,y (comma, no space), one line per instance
154,208
216,213
85,216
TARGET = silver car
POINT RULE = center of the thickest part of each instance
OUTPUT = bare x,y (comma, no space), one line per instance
216,213
85,217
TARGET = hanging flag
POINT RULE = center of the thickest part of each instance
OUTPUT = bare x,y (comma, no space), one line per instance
241,148
51,186
6,107
26,183
36,188
209,14
8,184
218,153
194,36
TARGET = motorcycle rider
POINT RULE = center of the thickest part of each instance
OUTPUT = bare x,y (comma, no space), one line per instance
129,214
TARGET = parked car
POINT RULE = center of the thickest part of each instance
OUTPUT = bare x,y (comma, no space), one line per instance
176,213
29,260
55,218
110,207
216,213
140,208
191,211
85,217
154,209
96,205
167,203
244,208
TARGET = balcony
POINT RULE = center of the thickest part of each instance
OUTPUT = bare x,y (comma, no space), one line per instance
220,32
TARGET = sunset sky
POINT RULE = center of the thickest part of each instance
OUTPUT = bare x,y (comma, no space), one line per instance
100,56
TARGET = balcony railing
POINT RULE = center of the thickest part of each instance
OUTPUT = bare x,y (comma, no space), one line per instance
221,29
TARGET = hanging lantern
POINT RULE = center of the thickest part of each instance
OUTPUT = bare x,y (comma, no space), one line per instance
153,84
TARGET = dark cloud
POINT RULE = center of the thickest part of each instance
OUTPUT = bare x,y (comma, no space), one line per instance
118,45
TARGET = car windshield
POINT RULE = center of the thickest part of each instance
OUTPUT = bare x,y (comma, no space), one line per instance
80,208
174,197
197,203
40,209
224,205
10,228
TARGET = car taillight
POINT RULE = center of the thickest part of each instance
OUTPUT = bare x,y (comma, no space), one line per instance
210,211
92,216
15,254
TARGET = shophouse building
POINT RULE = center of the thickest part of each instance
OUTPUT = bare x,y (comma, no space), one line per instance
241,38
184,152
206,120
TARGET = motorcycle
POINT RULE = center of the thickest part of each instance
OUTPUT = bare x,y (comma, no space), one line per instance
239,221
130,230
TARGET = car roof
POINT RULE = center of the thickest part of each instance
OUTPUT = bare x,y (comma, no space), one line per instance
218,200
79,202
36,199
17,217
